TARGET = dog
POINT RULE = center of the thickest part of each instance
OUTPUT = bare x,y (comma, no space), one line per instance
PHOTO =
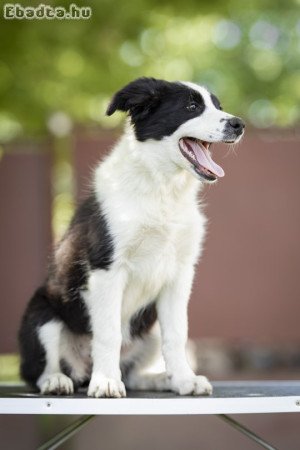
120,279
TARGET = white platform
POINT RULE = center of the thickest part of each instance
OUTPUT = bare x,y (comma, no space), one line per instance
230,397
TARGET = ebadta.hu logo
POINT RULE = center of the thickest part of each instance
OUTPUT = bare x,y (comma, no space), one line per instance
17,11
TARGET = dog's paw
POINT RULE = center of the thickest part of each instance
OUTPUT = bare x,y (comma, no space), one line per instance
56,383
106,387
195,385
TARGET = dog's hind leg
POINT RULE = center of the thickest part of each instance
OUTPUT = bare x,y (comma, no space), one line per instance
149,382
141,365
40,341
52,380
144,367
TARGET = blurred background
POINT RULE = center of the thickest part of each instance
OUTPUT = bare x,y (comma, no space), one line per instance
56,78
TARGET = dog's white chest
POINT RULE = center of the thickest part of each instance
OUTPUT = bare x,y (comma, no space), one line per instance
151,260
153,250
153,223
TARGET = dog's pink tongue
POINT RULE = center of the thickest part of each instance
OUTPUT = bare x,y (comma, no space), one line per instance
204,158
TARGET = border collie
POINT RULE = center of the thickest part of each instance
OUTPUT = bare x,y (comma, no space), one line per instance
120,279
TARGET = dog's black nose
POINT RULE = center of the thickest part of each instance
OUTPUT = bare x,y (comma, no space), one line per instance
237,124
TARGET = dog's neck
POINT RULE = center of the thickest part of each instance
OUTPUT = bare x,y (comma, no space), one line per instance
133,159
140,170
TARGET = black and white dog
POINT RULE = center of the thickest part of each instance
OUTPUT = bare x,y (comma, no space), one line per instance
126,263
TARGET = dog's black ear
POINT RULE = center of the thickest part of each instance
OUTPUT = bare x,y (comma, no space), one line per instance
138,98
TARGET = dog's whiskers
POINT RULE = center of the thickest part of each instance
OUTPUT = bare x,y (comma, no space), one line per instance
231,150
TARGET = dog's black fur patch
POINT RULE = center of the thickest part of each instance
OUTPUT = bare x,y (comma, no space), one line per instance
143,320
216,101
157,107
86,245
96,239
38,313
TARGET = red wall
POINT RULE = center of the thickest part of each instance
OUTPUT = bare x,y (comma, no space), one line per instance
25,233
248,281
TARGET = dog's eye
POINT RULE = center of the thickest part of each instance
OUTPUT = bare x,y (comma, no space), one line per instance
192,107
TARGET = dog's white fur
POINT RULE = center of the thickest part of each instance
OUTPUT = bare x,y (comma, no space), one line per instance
148,193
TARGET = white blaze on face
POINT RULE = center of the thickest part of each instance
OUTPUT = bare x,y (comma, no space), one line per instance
210,125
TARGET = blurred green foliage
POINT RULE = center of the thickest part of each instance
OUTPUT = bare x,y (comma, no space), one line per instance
9,368
56,73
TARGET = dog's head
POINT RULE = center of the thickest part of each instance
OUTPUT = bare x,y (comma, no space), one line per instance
184,116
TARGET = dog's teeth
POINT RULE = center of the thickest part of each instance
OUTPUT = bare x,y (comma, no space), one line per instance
191,154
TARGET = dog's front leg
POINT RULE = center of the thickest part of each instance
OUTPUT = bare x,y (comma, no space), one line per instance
172,314
104,300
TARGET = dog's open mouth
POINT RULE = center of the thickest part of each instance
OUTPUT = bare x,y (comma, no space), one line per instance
197,153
